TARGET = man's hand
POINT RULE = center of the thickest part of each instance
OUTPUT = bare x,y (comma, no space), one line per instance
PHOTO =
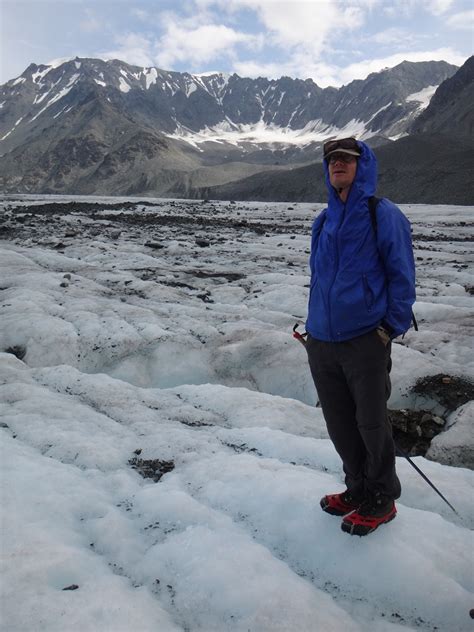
383,335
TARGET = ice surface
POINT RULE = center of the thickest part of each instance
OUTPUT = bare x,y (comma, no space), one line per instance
456,445
183,354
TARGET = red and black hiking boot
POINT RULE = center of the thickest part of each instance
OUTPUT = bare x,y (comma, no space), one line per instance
340,504
371,514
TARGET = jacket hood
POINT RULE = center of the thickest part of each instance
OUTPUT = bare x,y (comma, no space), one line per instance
365,181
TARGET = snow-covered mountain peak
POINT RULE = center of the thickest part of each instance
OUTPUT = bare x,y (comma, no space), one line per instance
103,106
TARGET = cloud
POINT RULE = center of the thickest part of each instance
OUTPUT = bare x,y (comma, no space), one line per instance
304,31
405,8
304,67
295,38
269,70
301,65
187,41
90,24
199,38
272,38
438,7
307,25
408,8
362,69
461,21
393,37
198,45
133,48
140,14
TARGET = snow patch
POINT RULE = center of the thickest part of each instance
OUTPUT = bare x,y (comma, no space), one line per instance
60,112
261,132
62,93
39,74
124,86
151,77
423,97
12,129
221,76
190,88
7,134
55,63
378,111
213,83
39,98
172,88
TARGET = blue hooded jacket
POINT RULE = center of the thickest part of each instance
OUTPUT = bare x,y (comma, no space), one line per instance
360,278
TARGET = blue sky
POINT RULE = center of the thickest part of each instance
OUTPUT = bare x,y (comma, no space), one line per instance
330,41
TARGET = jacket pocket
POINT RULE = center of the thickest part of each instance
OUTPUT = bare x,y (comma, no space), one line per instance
368,293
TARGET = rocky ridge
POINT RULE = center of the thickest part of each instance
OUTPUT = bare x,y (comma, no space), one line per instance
92,127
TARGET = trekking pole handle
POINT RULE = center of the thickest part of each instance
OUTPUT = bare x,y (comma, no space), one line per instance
301,337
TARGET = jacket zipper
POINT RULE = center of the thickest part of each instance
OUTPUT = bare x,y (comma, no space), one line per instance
331,332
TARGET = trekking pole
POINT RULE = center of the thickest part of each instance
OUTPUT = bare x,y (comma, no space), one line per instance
302,338
404,454
298,336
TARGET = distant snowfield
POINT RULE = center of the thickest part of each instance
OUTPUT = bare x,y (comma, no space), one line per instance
180,353
263,133
268,133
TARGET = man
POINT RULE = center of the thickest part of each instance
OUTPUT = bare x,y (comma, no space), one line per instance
362,292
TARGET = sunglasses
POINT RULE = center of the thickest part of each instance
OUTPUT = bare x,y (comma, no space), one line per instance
342,143
339,157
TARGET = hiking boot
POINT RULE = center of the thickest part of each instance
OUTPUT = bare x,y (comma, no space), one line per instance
340,504
373,512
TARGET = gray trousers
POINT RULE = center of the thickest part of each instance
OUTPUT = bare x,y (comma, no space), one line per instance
353,384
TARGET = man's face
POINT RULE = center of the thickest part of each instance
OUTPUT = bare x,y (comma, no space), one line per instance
342,170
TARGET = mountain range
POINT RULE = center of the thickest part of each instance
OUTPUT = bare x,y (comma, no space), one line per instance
88,126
